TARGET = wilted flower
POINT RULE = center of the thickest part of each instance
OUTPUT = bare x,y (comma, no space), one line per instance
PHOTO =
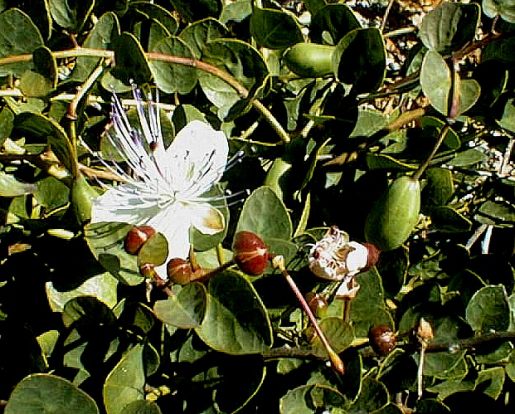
166,187
335,258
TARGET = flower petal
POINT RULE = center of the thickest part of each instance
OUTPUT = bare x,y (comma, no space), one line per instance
196,160
174,223
206,218
124,203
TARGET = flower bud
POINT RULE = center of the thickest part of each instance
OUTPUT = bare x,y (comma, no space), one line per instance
382,339
136,238
250,253
373,255
179,271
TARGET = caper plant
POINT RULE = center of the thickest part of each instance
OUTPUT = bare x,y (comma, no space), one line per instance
257,206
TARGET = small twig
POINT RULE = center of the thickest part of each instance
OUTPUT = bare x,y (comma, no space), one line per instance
386,13
278,263
422,168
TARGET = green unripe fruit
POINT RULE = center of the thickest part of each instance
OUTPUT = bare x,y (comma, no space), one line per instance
310,59
394,215
82,199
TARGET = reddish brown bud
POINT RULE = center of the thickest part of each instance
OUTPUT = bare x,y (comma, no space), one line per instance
382,339
136,238
179,271
250,253
373,254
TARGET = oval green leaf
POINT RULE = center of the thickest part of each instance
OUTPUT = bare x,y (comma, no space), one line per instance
236,321
265,214
106,243
19,35
186,310
44,393
172,77
125,382
274,29
489,310
449,27
360,59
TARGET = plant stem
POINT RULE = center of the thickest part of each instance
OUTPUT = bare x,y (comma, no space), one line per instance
278,263
422,168
194,63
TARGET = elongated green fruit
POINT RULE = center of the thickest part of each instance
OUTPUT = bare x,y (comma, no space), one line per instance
82,199
310,60
394,215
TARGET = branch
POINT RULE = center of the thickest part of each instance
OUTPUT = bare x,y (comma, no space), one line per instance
194,63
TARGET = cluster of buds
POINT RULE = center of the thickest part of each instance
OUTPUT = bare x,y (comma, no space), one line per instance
338,259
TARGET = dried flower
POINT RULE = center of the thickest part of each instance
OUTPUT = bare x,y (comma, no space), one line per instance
336,258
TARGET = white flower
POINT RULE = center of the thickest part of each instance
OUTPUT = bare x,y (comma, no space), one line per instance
336,258
166,186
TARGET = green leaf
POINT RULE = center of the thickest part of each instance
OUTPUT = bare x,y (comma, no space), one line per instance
445,364
150,11
172,77
433,126
491,381
449,220
6,124
373,396
439,188
368,308
100,37
274,29
503,8
331,23
436,83
18,36
141,407
308,399
431,406
265,214
45,393
242,62
468,158
449,27
125,382
236,11
35,85
198,9
360,60
82,198
186,310
131,63
106,243
488,310
52,194
507,120
87,311
340,335
46,129
385,161
102,286
71,14
154,251
502,213
198,34
12,187
236,322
